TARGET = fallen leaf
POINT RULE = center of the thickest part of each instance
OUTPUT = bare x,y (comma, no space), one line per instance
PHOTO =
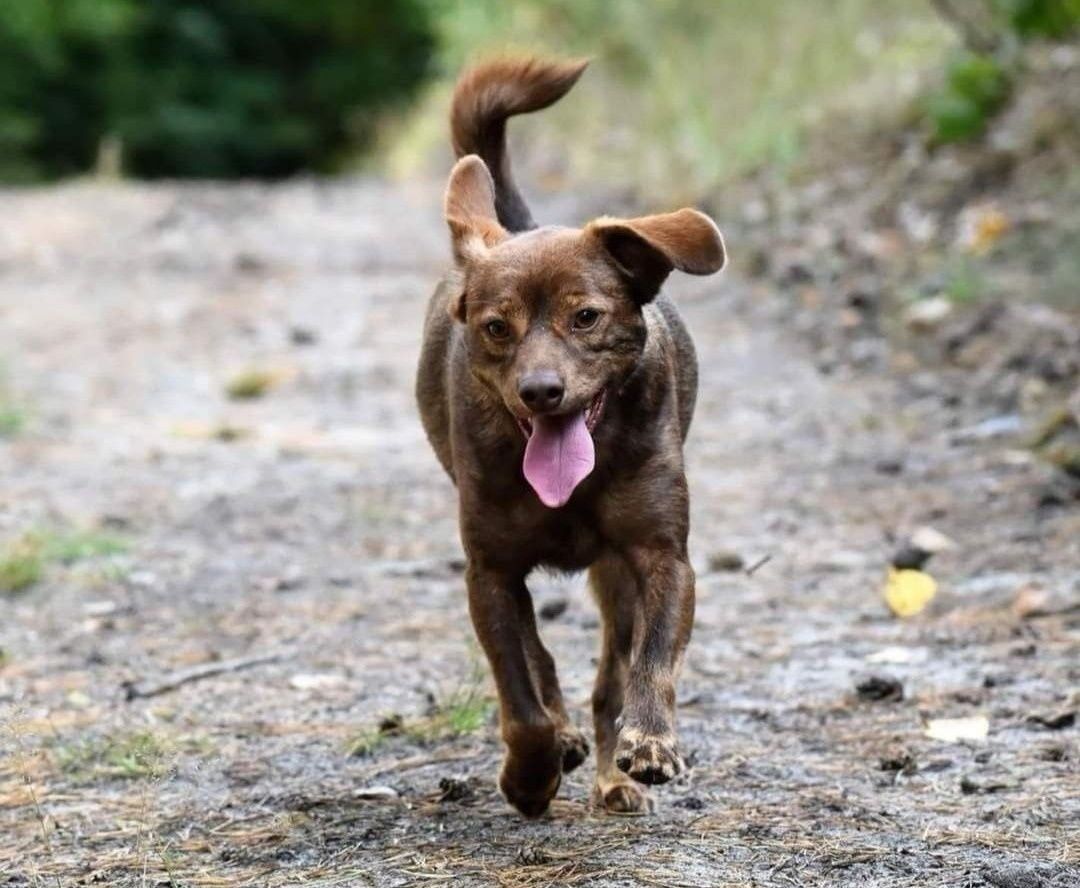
980,227
955,730
908,592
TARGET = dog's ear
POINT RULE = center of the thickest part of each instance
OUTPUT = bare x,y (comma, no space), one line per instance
647,249
469,209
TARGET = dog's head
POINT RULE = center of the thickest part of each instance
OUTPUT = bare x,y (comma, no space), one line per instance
553,316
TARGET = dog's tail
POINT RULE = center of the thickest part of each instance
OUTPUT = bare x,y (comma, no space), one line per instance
489,93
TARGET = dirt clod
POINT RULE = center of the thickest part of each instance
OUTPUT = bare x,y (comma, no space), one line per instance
553,609
1054,721
879,688
454,789
726,561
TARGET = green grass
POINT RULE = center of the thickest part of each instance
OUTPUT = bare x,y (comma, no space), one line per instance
12,420
683,95
249,385
964,280
125,756
23,560
67,548
21,564
465,710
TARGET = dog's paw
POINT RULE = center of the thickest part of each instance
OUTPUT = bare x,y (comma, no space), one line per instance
648,758
530,799
573,747
622,797
530,777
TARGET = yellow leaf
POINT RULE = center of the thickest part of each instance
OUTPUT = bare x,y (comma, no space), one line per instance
989,227
907,592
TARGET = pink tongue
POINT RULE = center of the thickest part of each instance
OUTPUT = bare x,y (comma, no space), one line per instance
558,457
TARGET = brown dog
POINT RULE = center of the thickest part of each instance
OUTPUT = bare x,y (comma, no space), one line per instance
556,386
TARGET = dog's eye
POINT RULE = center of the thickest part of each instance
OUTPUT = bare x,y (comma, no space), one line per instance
497,329
586,319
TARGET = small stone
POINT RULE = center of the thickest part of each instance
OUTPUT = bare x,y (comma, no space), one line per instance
990,429
303,336
553,609
1014,875
726,561
454,789
901,761
974,786
392,724
879,688
931,540
1054,721
908,557
375,793
1053,752
927,315
316,681
890,465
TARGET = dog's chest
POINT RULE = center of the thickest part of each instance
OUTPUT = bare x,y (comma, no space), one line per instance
566,541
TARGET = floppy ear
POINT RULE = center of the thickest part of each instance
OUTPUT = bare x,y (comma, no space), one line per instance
647,249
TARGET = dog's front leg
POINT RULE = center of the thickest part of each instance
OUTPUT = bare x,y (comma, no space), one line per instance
647,748
533,766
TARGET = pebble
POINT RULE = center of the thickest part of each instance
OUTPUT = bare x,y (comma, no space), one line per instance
726,561
927,315
879,688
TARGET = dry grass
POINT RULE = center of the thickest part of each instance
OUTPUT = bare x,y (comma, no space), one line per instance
682,96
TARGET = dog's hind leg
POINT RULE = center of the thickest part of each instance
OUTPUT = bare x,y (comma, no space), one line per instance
574,746
532,768
615,590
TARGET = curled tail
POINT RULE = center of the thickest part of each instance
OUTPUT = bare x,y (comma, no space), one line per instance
488,94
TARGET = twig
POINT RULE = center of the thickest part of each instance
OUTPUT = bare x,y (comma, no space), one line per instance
761,562
134,690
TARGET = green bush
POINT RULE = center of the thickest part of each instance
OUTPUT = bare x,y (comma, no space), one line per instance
1051,19
978,79
976,86
216,88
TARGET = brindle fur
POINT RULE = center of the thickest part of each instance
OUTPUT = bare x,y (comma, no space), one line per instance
628,521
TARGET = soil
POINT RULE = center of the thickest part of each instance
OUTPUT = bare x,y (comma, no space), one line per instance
301,543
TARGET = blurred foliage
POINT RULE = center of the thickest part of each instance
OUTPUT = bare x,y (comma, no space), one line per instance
979,77
681,94
1050,19
212,88
975,87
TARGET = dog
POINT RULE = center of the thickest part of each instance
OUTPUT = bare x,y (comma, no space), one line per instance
556,385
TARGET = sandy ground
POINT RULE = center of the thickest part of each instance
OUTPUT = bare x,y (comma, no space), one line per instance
305,541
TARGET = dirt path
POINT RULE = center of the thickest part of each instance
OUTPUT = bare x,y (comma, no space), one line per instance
313,526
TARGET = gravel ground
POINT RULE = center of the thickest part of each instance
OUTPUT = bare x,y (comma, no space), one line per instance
247,660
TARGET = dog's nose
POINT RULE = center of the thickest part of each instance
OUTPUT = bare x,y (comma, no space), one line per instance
541,390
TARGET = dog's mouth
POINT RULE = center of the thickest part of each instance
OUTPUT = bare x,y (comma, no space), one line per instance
559,451
592,415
